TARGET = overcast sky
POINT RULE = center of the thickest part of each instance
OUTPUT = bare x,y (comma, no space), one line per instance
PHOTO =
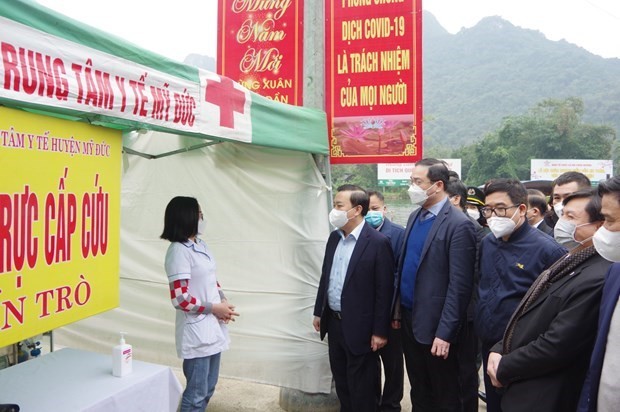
182,27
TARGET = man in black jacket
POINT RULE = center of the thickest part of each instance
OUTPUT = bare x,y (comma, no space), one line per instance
537,208
543,357
354,300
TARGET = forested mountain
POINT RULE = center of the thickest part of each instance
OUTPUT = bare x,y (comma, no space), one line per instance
480,75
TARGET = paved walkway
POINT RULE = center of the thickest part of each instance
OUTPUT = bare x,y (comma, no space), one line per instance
232,395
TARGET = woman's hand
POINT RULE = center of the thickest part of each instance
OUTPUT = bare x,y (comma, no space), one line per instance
224,311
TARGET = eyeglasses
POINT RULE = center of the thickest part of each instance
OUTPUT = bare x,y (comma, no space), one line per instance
418,182
487,212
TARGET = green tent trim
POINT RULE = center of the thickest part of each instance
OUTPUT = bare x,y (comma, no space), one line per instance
274,124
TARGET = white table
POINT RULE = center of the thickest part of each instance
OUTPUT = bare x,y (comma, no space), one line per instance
76,380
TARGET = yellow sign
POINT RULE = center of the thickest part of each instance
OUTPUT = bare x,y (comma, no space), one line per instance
59,222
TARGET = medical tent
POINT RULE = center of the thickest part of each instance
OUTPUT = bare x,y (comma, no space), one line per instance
248,160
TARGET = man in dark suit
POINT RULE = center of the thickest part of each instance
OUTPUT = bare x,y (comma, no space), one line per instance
435,277
510,261
469,353
543,356
354,300
392,353
601,390
537,208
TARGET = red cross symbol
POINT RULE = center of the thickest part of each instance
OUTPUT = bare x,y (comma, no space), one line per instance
229,99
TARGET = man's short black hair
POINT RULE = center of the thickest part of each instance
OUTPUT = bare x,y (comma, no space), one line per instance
568,177
610,186
181,219
437,170
593,207
536,199
456,187
359,197
512,187
379,195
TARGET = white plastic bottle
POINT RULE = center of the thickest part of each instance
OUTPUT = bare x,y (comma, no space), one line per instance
121,358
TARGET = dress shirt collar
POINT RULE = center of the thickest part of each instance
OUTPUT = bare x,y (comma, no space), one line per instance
192,243
436,208
355,232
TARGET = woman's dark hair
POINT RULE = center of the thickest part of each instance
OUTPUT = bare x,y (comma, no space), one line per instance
181,219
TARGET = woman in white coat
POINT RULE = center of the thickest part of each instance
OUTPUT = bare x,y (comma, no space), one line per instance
202,310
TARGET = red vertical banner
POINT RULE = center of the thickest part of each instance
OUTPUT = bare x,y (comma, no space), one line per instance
373,80
260,45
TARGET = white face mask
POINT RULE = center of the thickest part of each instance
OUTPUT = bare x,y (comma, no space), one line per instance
558,209
502,226
338,218
564,233
202,224
474,213
529,218
607,244
418,195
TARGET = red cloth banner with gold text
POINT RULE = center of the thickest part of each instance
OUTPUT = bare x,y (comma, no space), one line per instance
260,45
373,80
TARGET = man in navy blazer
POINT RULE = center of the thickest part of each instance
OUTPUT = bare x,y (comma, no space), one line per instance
354,300
436,275
391,354
611,291
601,390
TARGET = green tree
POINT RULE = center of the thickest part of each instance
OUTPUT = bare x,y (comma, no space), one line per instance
553,129
363,175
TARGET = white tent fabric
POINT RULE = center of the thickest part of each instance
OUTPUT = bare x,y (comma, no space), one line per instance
266,212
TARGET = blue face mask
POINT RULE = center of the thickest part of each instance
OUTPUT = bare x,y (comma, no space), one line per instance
374,218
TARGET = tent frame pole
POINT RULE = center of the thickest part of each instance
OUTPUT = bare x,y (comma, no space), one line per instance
159,156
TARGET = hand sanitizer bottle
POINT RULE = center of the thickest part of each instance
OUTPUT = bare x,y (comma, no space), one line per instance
121,358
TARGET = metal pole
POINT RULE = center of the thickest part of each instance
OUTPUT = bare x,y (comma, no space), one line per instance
293,400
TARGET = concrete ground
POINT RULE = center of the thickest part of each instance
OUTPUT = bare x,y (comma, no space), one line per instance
233,395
